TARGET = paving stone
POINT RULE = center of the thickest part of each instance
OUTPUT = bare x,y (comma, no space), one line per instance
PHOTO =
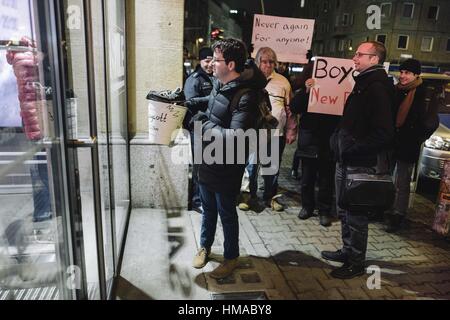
400,293
250,277
378,294
353,294
443,288
306,285
333,283
423,289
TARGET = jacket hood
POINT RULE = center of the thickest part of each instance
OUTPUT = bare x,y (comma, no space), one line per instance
251,77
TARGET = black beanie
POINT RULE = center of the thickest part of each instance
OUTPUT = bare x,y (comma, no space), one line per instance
204,53
412,65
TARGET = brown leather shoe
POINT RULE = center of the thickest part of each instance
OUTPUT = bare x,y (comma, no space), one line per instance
225,269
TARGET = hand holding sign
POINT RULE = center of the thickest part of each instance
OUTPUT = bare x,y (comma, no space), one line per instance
333,83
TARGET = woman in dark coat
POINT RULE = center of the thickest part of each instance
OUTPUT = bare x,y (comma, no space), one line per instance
410,110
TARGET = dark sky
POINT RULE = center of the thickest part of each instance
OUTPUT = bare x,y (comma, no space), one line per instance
283,8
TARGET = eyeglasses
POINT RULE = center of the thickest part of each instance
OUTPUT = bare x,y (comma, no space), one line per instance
359,54
216,60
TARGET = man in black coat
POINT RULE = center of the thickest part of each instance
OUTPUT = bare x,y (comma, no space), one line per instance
365,131
220,180
198,84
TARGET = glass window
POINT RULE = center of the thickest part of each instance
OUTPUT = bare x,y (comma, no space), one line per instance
433,12
427,44
386,10
381,38
34,249
345,19
402,42
408,10
341,45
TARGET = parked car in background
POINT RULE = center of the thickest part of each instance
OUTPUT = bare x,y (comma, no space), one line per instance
437,148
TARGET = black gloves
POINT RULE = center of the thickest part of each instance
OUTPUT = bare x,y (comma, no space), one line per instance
200,116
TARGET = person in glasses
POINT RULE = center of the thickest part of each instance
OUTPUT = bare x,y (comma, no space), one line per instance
363,135
280,94
220,181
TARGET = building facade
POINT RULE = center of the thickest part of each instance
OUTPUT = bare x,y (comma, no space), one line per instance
409,29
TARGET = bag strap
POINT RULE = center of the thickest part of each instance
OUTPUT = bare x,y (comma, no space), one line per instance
237,97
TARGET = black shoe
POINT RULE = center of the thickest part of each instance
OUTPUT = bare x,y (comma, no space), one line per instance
325,220
337,256
348,271
305,214
294,174
394,223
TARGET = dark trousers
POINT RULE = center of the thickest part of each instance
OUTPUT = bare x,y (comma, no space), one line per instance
224,205
355,225
321,170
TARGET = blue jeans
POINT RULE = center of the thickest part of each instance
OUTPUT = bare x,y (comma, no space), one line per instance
270,181
222,204
41,195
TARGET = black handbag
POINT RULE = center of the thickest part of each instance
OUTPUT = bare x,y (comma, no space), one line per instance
307,145
364,192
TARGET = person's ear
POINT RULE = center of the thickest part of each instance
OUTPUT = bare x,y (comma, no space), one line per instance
231,65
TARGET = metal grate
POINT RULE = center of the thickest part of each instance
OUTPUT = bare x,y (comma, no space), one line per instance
254,295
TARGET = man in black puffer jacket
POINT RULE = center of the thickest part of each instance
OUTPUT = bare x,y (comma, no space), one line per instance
220,181
365,131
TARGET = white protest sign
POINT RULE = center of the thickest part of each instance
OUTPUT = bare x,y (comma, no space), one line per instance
290,38
333,84
163,120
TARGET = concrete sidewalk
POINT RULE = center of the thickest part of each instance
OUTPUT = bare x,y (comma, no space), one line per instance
280,256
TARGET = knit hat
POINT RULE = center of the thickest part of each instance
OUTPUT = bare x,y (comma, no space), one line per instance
204,53
412,65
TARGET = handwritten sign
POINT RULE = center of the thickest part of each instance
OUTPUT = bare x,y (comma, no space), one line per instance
333,84
290,38
163,120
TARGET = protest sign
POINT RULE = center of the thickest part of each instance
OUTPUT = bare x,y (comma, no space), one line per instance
333,84
290,38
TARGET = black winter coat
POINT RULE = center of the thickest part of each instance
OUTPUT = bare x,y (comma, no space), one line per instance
409,137
367,127
315,129
198,84
228,177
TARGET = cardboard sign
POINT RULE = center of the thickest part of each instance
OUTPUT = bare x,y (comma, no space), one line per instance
333,84
290,38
